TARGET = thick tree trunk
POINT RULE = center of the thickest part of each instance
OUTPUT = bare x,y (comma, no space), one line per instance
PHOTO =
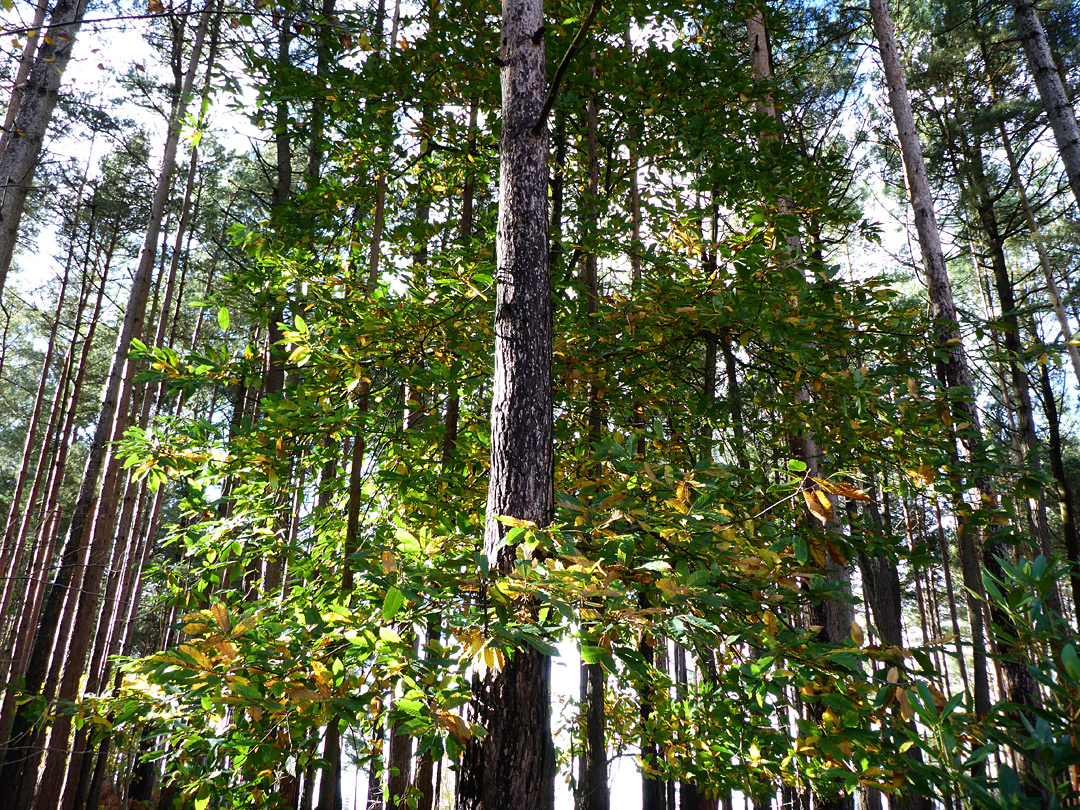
512,768
1054,100
23,149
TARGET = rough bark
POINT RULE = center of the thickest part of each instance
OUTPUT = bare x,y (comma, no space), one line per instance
1019,686
23,149
513,766
946,327
79,542
1059,110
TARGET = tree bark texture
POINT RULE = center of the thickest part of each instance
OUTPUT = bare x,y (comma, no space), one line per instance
81,546
23,148
1059,111
512,768
943,310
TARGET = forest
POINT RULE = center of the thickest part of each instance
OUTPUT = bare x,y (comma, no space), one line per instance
422,404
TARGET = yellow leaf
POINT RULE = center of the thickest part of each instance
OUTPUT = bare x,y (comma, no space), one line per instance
818,504
322,676
857,633
841,488
912,388
925,474
244,626
200,657
817,551
221,616
389,564
770,622
829,720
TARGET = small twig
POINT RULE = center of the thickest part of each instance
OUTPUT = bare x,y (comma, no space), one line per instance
549,102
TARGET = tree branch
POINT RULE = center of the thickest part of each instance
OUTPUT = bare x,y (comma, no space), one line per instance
549,102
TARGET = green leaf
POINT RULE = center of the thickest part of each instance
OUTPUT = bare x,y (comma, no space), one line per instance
590,655
223,319
796,466
392,603
1028,487
802,549
1071,662
202,798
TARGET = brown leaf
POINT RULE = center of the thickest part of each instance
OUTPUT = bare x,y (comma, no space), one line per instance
221,616
835,553
842,488
818,504
155,7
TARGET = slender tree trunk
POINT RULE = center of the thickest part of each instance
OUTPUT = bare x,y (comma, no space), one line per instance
1054,100
1064,492
1019,686
26,62
512,768
23,148
943,310
80,534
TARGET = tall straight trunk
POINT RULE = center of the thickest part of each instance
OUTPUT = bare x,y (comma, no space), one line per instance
652,789
330,783
833,616
11,549
1063,489
946,569
636,247
594,772
22,150
132,545
1019,686
51,470
1030,221
946,326
80,536
512,768
313,171
18,83
1029,443
881,583
1055,102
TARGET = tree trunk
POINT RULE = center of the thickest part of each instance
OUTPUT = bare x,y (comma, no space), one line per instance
23,148
512,768
1064,493
80,538
1020,688
943,310
1047,79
